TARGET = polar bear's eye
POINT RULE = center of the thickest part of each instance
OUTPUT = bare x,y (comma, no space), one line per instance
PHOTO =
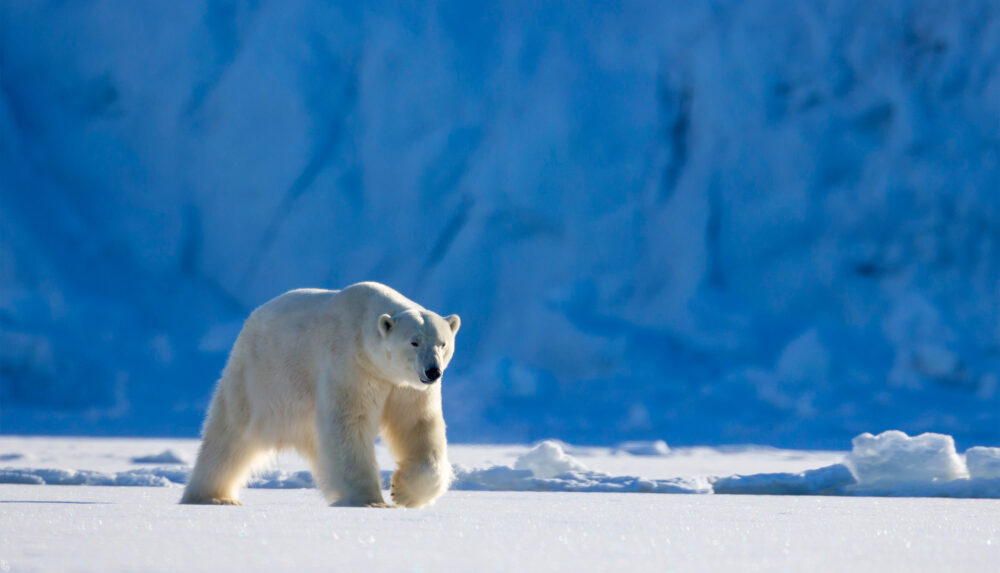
414,343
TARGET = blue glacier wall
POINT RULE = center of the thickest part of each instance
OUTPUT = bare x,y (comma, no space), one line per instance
711,222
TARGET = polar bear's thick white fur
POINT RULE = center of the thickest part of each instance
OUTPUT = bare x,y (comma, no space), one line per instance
322,372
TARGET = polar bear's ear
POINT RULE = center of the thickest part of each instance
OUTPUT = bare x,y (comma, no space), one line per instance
455,322
385,324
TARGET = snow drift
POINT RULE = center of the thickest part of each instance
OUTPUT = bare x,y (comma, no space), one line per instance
726,222
895,465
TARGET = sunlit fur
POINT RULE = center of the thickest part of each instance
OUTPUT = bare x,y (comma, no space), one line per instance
323,372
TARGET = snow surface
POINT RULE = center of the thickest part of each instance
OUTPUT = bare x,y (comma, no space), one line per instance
285,526
143,529
85,528
707,222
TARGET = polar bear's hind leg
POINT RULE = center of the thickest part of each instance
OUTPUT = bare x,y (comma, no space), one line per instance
225,460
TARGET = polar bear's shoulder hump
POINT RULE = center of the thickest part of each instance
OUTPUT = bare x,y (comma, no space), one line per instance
378,293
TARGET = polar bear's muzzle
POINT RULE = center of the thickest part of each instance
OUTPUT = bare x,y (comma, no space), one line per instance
431,375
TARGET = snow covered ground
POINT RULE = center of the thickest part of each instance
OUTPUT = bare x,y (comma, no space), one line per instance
89,528
47,528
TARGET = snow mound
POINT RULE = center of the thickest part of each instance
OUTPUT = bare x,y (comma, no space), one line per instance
151,477
892,457
148,477
959,488
983,463
891,464
547,460
504,478
644,448
23,477
165,457
547,467
830,480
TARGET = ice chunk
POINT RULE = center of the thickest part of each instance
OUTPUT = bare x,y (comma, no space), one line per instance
546,467
983,462
547,460
164,457
894,457
142,477
644,448
958,488
493,478
19,476
503,478
56,477
154,476
829,480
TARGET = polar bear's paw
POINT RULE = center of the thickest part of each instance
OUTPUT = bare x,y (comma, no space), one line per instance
420,484
380,504
361,501
196,500
404,499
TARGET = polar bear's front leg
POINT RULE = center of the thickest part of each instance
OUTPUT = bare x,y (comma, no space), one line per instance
415,431
347,469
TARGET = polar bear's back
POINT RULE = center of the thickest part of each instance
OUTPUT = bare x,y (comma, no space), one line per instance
294,304
303,315
270,377
285,340
360,297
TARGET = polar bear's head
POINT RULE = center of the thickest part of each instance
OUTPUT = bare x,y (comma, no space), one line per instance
418,345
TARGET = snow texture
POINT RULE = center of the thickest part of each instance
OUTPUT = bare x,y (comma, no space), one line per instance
112,530
716,222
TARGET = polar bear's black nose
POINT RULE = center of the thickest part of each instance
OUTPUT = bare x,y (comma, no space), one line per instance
432,374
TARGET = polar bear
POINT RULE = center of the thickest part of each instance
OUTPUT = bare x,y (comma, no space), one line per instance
321,371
